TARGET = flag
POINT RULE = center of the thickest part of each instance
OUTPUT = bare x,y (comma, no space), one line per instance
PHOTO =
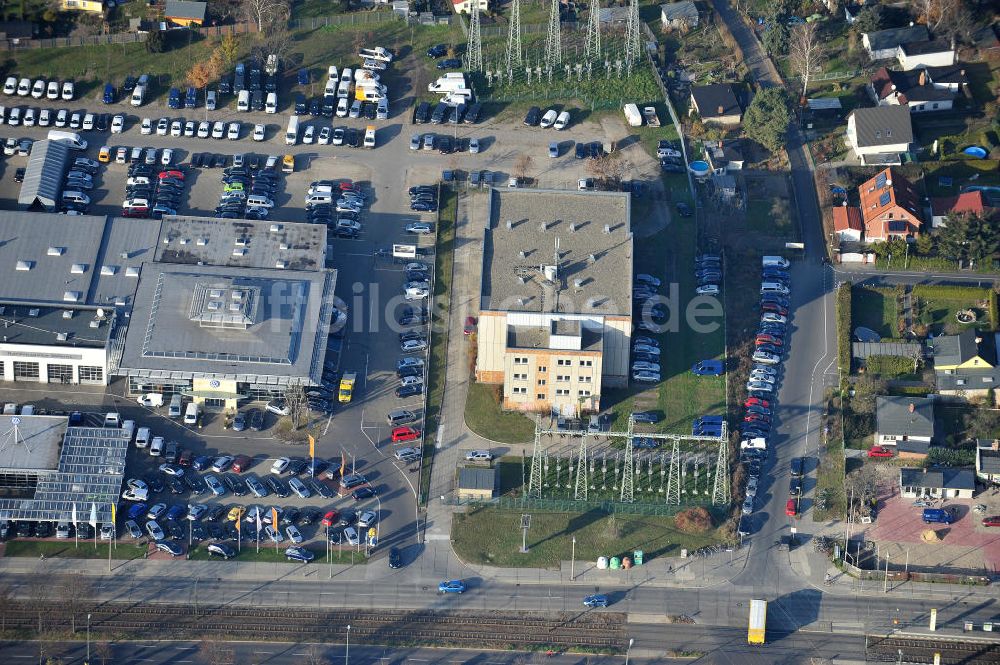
114,513
74,512
312,446
274,518
239,527
93,515
258,524
343,463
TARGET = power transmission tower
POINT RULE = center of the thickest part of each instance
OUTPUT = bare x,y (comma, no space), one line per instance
628,472
515,58
720,492
475,55
633,36
535,479
674,477
553,43
582,468
593,50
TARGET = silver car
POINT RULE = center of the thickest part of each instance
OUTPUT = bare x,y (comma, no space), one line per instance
154,530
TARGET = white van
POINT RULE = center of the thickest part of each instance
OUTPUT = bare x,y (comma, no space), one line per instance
257,201
112,420
774,262
191,414
347,75
292,133
562,122
243,101
156,447
210,100
316,199
142,437
174,410
72,139
774,287
343,108
75,197
271,105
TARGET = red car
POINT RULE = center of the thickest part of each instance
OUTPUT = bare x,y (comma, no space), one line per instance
774,307
769,339
241,463
405,434
470,325
756,418
879,451
330,518
992,521
348,186
791,508
185,458
757,401
172,174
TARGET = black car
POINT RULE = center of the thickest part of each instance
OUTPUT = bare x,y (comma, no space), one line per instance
667,167
198,531
472,115
650,417
43,530
309,516
683,209
409,371
321,489
194,483
450,63
101,123
533,117
196,160
278,487
352,137
437,51
19,175
315,107
215,511
219,161
409,391
176,531
296,466
129,84
596,149
445,145
395,560
176,486
290,515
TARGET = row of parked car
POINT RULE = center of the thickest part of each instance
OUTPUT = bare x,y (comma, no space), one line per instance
150,191
30,116
646,349
338,204
444,113
247,193
558,120
39,88
707,272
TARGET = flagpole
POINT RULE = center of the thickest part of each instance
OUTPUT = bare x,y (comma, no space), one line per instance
76,531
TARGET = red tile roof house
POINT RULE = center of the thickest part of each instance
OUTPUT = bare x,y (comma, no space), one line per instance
943,207
890,206
921,90
847,223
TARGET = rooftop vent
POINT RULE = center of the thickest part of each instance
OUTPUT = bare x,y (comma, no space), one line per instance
215,293
56,251
572,227
94,323
275,228
280,263
72,296
123,256
238,296
213,305
62,337
591,259
132,271
510,224
283,245
166,240
240,251
523,254
241,241
607,229
78,268
550,272
524,279
33,312
109,270
185,241
578,283
201,242
24,266
68,314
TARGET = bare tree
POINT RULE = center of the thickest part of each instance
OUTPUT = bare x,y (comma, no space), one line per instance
217,653
75,594
609,170
265,13
807,52
521,166
104,651
277,42
295,400
314,656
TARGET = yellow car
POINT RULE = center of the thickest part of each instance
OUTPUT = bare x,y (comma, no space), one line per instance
236,513
288,164
104,156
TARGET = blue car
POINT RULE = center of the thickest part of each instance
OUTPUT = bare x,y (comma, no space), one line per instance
303,77
201,463
300,554
707,368
176,512
650,417
451,586
137,510
596,600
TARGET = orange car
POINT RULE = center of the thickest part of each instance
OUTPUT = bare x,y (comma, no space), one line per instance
879,451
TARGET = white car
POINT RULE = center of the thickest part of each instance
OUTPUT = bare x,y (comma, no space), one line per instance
548,119
45,118
411,380
773,317
234,131
280,465
167,156
413,345
643,366
646,377
351,536
204,129
324,136
24,88
62,117
668,152
215,485
293,534
419,228
708,290
562,122
88,122
644,348
218,129
176,128
273,534
367,519
135,494
190,128
299,488
146,127
67,91
162,126
338,136
118,124
29,117
757,375
10,85
309,135
154,530
53,90
258,132
38,90
760,386
142,437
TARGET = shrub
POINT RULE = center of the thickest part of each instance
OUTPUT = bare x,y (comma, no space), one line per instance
844,327
694,520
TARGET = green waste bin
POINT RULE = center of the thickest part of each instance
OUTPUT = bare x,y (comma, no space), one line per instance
615,563
637,557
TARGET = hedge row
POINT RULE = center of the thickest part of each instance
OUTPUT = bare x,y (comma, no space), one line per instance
967,293
844,327
889,366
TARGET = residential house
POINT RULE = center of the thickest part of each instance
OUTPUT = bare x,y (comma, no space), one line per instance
679,15
937,483
943,207
95,6
716,103
879,135
477,483
16,30
924,89
965,364
884,44
847,223
905,423
185,12
988,460
465,6
725,156
933,53
725,186
890,206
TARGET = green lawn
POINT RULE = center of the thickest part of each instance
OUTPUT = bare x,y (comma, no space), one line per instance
492,536
962,172
438,359
936,307
874,308
830,472
67,549
484,416
770,217
268,554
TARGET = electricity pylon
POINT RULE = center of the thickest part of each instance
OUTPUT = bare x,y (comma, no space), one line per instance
475,56
515,57
553,43
593,50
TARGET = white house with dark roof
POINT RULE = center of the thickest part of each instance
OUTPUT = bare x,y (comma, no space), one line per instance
905,423
880,135
678,15
884,44
933,53
988,460
937,483
716,103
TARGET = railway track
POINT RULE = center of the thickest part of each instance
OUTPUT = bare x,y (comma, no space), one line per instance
600,631
891,649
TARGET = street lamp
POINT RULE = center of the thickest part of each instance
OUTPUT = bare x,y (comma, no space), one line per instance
88,638
347,650
572,564
630,642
